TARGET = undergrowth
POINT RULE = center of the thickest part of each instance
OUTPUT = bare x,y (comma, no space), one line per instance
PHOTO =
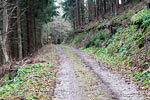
33,81
128,49
30,82
97,39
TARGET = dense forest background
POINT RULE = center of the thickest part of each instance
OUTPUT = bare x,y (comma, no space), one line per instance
82,12
21,23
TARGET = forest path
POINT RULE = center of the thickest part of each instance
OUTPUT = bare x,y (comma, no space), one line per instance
80,77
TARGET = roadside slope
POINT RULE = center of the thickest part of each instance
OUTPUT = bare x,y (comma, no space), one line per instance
121,43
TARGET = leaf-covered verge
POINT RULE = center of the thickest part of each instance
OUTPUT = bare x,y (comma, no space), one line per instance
127,49
33,81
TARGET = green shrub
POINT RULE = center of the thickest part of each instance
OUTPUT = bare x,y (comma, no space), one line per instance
141,16
145,76
96,40
146,23
78,38
111,40
141,42
101,26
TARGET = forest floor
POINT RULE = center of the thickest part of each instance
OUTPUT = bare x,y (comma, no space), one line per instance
61,72
81,77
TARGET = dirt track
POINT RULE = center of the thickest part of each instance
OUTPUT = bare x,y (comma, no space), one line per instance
80,77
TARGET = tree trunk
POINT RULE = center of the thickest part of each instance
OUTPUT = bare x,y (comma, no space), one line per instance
104,4
28,26
116,7
4,49
19,30
97,8
90,11
82,12
78,19
3,36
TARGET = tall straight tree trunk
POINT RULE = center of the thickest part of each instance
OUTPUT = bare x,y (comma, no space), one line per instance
3,36
101,8
82,12
104,4
34,27
89,11
112,6
31,8
116,7
28,26
19,30
33,30
35,34
78,19
77,14
94,9
97,8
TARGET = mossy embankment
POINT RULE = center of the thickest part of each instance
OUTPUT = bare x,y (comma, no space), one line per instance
120,42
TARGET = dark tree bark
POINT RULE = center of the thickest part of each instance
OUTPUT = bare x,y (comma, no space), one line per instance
104,4
4,34
82,12
19,30
78,16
